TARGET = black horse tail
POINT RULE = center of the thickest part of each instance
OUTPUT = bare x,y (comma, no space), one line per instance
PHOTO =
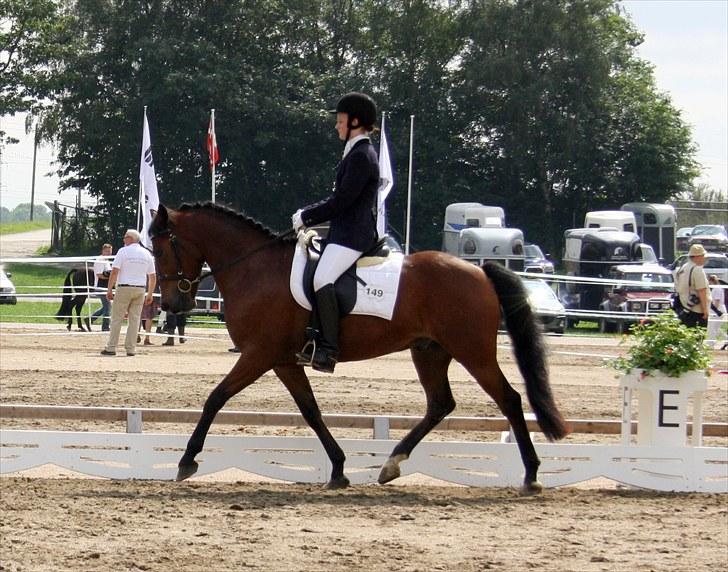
528,343
67,301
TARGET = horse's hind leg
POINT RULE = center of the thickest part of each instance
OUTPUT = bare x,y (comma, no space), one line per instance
491,379
431,362
297,383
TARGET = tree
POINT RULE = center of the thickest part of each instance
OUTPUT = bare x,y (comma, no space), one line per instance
33,35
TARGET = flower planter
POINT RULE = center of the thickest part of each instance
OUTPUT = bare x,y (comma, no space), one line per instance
662,412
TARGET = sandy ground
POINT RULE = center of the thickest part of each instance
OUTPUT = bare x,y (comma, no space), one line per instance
23,243
72,523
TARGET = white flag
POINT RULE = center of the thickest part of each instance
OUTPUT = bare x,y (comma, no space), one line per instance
148,196
386,181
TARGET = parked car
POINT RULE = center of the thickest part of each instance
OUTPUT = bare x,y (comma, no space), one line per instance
546,305
652,296
713,237
682,236
7,289
536,261
714,264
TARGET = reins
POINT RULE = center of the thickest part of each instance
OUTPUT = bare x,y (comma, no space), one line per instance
185,284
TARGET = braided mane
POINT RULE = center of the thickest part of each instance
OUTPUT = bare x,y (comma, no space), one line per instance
238,217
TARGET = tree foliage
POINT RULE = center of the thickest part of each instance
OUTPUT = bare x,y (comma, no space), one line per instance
541,107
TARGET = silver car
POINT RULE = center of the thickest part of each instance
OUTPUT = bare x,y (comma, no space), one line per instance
546,305
714,264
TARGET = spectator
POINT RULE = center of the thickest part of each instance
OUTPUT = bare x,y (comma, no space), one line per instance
149,312
132,272
717,311
691,284
102,271
178,321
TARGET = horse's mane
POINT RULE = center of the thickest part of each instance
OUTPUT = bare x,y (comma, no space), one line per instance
238,217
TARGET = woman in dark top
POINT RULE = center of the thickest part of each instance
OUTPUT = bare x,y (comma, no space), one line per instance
351,210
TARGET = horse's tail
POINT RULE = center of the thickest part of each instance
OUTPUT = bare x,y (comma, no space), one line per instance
529,348
66,302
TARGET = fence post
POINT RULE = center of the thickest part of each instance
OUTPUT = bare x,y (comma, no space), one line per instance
134,422
381,427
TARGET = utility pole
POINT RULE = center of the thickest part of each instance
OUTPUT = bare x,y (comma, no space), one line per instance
32,186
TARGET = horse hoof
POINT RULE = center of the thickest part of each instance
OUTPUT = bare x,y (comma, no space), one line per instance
186,471
388,473
340,483
532,488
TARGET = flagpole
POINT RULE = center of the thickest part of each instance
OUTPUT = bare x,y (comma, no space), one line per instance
212,161
409,186
140,200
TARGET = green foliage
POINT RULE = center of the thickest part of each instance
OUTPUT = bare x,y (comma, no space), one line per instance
667,345
542,108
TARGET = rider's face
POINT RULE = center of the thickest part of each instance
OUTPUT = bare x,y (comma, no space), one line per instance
342,127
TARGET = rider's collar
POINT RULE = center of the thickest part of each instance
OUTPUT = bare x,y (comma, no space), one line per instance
353,141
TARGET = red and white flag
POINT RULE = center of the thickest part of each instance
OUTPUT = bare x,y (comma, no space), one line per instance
212,143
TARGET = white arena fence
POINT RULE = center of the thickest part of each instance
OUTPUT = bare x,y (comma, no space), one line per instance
138,455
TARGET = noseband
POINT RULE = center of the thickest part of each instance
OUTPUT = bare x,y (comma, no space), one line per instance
184,284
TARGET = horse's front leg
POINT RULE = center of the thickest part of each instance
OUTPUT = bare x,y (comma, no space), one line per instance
297,383
244,373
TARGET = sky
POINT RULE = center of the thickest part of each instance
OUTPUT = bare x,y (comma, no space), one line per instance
686,41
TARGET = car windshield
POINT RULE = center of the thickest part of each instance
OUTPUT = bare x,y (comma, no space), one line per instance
707,229
717,262
649,277
538,289
532,251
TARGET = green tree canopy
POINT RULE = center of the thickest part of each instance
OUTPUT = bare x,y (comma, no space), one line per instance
541,107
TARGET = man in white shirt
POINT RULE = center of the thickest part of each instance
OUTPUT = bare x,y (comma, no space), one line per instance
102,271
691,284
132,273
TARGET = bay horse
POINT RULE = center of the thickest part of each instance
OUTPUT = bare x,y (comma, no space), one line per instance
76,288
446,309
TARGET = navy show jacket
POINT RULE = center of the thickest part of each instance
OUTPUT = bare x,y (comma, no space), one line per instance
352,208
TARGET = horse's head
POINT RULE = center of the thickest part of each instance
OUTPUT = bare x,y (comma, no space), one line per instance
178,260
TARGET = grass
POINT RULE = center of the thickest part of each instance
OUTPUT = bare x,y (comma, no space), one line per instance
26,275
24,226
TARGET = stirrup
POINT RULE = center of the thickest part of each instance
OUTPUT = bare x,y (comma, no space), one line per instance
305,356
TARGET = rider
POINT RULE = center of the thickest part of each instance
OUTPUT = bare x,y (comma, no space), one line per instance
351,210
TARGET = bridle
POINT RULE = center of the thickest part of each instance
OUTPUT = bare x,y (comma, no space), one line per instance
184,283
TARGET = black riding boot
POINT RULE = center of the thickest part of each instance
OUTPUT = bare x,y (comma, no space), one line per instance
105,324
327,351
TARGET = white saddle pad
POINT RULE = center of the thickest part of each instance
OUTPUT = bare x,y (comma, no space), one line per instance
377,298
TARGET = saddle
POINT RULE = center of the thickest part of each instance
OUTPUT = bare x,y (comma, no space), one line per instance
345,286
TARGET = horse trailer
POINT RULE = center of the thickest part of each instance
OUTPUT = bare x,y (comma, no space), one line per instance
656,224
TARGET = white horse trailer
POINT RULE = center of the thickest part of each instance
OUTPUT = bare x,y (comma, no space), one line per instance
460,216
656,224
619,220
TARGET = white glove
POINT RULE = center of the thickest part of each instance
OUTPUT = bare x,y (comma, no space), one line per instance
297,220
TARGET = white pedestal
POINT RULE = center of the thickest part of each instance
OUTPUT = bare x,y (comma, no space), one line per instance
663,407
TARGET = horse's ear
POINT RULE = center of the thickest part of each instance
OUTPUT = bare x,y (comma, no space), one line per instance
161,220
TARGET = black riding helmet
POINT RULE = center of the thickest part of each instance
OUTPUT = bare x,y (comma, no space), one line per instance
358,105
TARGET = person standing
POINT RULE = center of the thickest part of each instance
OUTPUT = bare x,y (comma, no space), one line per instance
717,311
131,273
102,271
691,284
351,210
178,321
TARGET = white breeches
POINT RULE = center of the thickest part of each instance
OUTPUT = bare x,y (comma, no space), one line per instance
335,260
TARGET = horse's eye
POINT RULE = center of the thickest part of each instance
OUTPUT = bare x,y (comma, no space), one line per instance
157,253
